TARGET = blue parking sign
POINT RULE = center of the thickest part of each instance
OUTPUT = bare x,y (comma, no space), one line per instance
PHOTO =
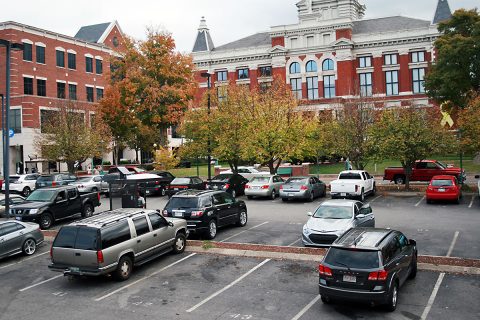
11,133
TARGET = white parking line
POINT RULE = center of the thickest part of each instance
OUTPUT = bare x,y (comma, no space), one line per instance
431,300
455,237
294,242
42,282
421,200
227,287
307,307
143,278
375,199
471,202
15,263
237,234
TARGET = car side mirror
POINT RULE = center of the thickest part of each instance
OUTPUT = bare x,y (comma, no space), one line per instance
170,224
477,176
310,214
412,242
360,216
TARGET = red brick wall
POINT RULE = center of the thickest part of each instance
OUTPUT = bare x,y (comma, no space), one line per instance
345,78
278,41
405,77
109,39
344,33
378,76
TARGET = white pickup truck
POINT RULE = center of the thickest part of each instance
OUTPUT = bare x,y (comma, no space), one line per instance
353,184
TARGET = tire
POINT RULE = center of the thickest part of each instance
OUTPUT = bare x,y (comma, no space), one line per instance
234,193
413,269
26,191
273,195
285,199
374,190
362,196
310,199
87,211
399,179
29,247
212,229
46,221
429,201
457,201
249,197
325,299
162,192
180,243
242,219
124,269
392,298
94,189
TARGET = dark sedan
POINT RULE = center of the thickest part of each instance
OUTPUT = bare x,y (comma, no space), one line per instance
229,182
17,237
182,184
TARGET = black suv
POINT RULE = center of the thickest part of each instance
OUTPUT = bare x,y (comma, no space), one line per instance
230,182
205,211
368,264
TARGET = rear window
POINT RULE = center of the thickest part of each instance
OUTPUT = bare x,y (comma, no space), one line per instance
297,180
115,234
222,177
181,181
82,238
182,203
442,183
14,179
45,178
261,179
350,176
354,259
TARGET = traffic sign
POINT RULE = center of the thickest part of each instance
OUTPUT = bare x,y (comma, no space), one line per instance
11,133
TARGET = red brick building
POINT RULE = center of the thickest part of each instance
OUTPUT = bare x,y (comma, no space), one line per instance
52,68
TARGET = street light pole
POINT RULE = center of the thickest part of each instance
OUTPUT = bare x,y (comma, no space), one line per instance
209,151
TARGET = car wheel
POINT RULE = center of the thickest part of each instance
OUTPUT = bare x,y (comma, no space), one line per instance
362,196
325,299
392,298
242,219
273,195
285,199
457,201
429,201
250,197
29,247
374,190
212,229
324,193
87,211
46,221
179,243
162,192
310,199
124,268
94,189
234,193
413,268
26,191
399,180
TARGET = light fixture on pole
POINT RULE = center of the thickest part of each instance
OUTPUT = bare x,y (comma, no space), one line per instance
209,151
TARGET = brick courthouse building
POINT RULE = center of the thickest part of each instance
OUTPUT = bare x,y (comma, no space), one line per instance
330,55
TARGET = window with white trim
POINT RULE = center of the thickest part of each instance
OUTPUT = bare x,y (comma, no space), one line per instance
365,62
60,57
27,51
418,80
242,73
89,64
328,65
312,88
41,87
311,66
366,87
418,56
40,53
89,94
390,59
72,91
296,84
222,75
72,60
27,85
329,86
391,80
295,68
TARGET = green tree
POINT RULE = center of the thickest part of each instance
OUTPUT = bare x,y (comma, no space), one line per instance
469,121
456,71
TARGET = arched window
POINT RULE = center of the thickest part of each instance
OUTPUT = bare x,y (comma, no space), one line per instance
295,68
328,65
311,66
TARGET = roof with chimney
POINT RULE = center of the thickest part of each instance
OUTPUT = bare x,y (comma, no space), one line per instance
97,33
443,12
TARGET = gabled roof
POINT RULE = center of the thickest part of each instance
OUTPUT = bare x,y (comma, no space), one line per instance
388,24
92,33
256,40
443,12
204,41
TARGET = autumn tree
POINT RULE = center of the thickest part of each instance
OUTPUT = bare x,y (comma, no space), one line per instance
165,159
410,134
469,121
65,135
320,139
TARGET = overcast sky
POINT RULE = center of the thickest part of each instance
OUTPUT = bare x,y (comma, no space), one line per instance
228,20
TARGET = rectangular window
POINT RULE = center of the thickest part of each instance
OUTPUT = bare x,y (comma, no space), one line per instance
40,54
391,78
60,90
418,56
297,87
294,43
72,91
265,71
28,86
27,52
312,88
418,77
366,88
242,73
89,64
310,41
89,94
365,62
15,119
60,55
390,59
99,94
72,61
222,75
41,87
98,66
329,86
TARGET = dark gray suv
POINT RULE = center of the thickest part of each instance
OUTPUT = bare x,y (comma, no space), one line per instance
116,241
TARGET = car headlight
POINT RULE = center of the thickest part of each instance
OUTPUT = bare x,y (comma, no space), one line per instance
306,230
33,211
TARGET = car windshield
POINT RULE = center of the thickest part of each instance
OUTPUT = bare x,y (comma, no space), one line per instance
297,181
442,183
181,181
222,177
354,258
330,212
84,179
42,195
182,203
349,176
45,178
261,179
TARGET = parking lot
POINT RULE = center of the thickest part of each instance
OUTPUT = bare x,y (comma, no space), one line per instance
204,286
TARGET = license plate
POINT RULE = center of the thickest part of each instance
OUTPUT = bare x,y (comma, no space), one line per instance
178,213
441,190
343,194
349,278
291,194
255,188
176,189
74,269
18,218
148,192
215,187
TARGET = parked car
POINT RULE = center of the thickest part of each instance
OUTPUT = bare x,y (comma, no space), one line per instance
423,170
23,184
45,206
247,172
444,188
369,265
332,218
265,186
88,184
229,182
307,188
206,211
165,179
187,183
116,242
53,180
132,169
353,184
17,237
478,184
12,200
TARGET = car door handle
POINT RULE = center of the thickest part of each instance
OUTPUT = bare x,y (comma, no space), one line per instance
78,254
154,234
397,264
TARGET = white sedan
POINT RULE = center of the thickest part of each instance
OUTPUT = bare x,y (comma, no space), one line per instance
248,172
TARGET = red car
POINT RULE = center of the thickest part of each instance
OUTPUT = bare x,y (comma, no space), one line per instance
444,188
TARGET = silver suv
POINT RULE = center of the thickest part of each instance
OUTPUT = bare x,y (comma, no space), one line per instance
116,241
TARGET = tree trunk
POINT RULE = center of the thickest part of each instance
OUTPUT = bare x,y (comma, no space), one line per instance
277,166
408,174
271,164
136,155
71,166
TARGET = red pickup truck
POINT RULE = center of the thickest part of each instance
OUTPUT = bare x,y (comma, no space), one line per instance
423,171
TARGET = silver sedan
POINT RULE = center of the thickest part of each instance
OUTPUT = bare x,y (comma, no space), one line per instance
266,186
88,184
17,237
307,188
333,218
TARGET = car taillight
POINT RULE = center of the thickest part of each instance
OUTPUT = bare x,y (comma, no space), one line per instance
226,186
196,214
54,183
281,187
303,188
265,187
165,213
324,270
356,188
157,182
100,257
247,186
430,189
378,275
